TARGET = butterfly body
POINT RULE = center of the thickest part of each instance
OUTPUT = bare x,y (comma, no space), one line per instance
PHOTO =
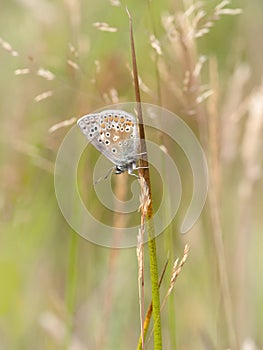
115,134
119,169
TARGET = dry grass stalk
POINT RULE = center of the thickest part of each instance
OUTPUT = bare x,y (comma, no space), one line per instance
43,96
73,50
97,66
155,43
140,258
105,27
111,97
251,145
74,14
145,199
143,208
63,124
22,71
41,72
251,156
73,64
177,268
55,327
185,83
7,47
203,27
183,30
142,85
115,3
214,128
139,252
46,74
234,108
214,147
34,153
113,93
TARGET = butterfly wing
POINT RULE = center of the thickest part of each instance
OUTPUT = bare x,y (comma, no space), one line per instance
114,133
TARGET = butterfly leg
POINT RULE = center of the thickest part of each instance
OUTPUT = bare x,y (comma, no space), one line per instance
137,177
141,167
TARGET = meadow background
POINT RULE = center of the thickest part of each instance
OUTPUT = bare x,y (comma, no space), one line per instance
59,291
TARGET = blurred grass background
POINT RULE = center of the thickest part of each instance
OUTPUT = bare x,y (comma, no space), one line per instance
59,291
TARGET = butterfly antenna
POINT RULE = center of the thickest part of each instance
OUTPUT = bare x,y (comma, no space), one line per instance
140,154
104,177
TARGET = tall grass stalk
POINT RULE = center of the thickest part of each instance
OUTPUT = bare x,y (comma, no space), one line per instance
147,210
149,313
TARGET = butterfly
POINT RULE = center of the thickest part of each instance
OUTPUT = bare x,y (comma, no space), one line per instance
115,134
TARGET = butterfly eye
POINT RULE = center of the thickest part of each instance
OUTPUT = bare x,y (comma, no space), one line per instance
107,142
127,129
131,136
120,144
113,150
121,129
107,134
